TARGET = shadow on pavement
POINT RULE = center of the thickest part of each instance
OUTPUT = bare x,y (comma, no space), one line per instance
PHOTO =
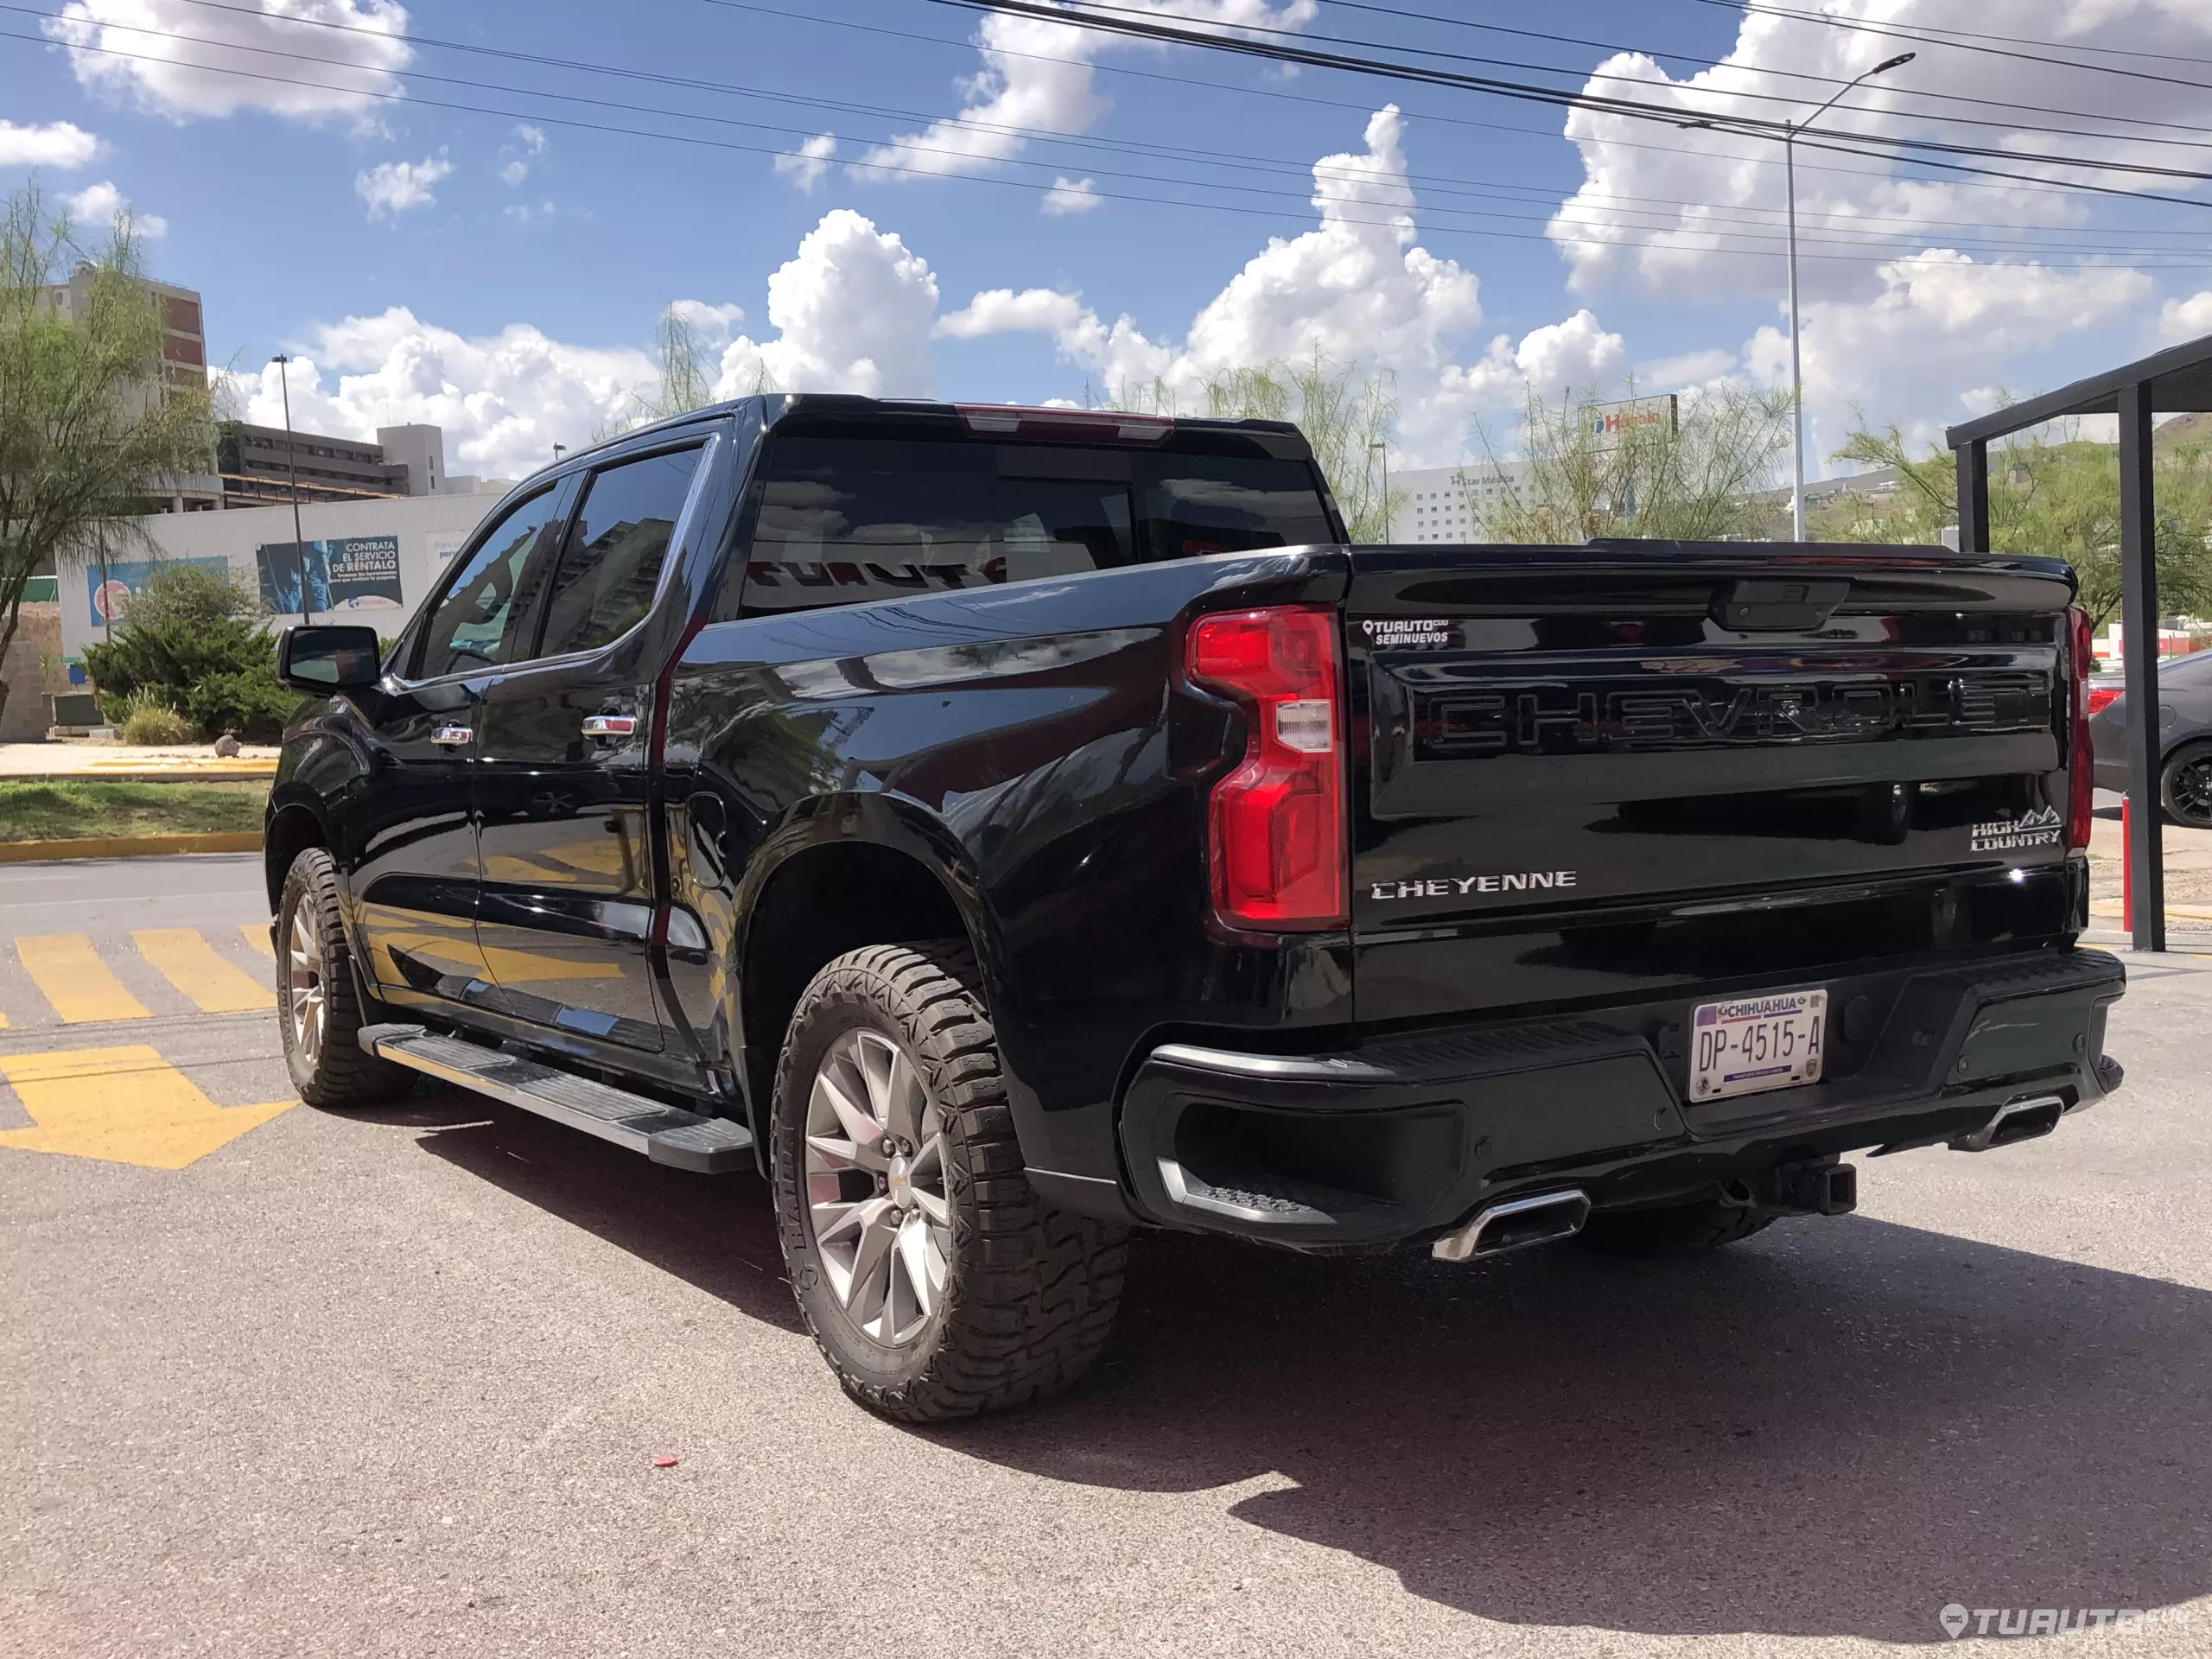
717,1233
1835,1430
1832,1430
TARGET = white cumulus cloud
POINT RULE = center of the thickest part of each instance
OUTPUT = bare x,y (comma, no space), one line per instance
1072,196
1037,75
852,308
167,56
2188,319
58,143
503,399
523,147
391,189
1358,288
97,206
1904,303
808,164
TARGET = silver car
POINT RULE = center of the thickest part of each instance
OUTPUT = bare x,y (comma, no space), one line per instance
2184,735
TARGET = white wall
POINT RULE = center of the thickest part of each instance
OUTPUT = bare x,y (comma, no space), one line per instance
1451,504
429,528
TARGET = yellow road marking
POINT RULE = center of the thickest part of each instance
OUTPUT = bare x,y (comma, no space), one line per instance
257,937
121,1106
81,987
189,963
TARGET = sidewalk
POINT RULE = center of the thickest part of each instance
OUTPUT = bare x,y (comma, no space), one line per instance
23,762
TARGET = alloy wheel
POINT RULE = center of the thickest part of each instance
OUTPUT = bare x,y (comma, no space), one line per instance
876,1198
2191,790
303,998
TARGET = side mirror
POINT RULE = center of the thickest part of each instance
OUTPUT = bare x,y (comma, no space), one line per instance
329,658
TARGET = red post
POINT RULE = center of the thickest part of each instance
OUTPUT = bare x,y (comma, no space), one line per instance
2126,867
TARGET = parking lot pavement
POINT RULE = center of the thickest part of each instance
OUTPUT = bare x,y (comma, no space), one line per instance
394,1383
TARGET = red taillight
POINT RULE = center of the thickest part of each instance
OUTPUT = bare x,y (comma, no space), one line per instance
2102,697
1276,825
2081,767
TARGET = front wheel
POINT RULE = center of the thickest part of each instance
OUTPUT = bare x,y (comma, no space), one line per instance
319,1006
935,1280
2185,786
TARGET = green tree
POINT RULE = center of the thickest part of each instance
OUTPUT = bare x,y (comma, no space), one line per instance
1695,477
1347,414
88,426
2051,495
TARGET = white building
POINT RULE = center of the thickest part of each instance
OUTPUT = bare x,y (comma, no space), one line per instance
369,561
1452,504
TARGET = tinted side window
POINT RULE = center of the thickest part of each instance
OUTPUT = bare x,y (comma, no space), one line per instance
486,614
617,544
844,520
1196,505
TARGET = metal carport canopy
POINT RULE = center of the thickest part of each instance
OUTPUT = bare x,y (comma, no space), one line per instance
2177,381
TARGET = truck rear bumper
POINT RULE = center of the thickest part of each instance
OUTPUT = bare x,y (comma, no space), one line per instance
1399,1141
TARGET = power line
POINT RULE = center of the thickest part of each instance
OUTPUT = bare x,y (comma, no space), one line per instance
1858,26
1657,54
2013,183
1759,243
700,141
1141,26
1858,231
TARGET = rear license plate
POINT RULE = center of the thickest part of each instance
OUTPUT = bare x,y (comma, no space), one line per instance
1756,1043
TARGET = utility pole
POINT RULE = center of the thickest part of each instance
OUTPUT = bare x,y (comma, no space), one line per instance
292,466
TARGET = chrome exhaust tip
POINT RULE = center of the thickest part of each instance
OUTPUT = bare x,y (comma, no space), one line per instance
1537,1219
2015,1121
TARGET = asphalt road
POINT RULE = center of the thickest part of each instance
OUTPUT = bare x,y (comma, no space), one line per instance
394,1383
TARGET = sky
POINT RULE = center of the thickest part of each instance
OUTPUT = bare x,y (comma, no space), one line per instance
474,213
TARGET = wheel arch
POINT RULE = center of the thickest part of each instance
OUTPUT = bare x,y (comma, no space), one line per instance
862,874
293,828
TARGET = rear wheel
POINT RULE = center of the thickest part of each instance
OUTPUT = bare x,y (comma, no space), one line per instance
935,1280
319,1005
2185,785
1674,1229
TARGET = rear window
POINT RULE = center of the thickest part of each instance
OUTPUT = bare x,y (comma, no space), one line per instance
845,520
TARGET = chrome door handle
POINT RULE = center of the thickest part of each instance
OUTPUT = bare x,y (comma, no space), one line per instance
451,737
610,725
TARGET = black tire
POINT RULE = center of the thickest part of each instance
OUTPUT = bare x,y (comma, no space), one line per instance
2185,785
1029,1292
1674,1229
331,1070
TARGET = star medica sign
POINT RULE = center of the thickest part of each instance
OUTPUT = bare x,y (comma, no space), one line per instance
341,573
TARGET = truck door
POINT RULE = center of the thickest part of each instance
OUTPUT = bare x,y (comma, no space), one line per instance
564,778
414,866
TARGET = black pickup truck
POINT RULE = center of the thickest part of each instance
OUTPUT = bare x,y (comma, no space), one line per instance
1003,829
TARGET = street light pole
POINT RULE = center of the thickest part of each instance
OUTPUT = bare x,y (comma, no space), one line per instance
1789,132
292,466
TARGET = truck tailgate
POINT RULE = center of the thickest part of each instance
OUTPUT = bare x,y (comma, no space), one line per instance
1582,772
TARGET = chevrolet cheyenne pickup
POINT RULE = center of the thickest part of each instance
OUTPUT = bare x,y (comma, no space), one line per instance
1003,829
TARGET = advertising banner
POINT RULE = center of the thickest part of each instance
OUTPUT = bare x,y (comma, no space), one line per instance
341,573
1610,423
110,586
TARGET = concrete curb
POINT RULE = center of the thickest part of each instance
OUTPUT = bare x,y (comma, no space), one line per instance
232,840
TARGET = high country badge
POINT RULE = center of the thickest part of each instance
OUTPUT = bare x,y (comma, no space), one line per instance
2038,829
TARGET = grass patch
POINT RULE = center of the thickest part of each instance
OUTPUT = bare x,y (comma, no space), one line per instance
69,811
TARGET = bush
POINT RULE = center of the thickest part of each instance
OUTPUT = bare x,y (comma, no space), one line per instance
220,670
255,705
144,718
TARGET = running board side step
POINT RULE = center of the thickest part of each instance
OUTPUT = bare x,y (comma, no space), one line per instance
681,1140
